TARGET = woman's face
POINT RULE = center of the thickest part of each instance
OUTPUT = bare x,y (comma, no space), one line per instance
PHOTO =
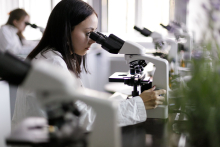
20,24
80,35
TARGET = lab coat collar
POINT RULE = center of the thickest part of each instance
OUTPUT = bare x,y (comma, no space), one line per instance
13,28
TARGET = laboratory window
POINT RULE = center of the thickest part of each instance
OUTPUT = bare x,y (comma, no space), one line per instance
124,14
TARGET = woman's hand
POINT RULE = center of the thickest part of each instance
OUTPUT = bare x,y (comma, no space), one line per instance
151,98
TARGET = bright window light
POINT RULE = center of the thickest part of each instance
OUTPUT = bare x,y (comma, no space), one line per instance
55,2
39,11
155,12
121,16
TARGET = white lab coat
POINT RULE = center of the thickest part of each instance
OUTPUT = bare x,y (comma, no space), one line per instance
130,111
9,41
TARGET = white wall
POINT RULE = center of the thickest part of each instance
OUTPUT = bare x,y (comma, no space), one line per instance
198,18
5,7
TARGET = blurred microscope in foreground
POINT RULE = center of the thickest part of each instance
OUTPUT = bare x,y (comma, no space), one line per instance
56,91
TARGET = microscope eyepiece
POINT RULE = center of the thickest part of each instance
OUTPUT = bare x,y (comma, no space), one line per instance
143,31
168,27
97,37
112,44
32,25
136,28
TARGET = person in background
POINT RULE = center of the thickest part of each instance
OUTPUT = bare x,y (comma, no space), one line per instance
11,37
65,43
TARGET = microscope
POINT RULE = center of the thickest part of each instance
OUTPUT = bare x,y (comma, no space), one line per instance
136,57
162,43
179,31
56,91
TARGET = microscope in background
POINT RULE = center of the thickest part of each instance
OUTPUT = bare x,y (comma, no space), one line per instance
185,43
56,91
136,57
161,43
35,26
158,39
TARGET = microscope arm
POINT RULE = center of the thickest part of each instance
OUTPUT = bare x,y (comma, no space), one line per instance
173,53
160,79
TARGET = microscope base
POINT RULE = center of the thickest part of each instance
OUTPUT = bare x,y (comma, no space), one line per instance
160,112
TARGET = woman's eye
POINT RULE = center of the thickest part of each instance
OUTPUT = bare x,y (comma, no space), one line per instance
87,34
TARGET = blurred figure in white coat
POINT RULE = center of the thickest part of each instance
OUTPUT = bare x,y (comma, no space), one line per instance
11,37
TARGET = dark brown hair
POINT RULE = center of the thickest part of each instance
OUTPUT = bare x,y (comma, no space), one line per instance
57,36
16,14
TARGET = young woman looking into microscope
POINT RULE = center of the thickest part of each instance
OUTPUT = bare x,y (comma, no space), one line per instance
65,43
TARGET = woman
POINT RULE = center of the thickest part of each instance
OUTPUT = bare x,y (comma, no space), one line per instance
11,37
65,43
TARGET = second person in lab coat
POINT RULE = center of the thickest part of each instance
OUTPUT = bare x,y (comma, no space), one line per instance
11,37
65,43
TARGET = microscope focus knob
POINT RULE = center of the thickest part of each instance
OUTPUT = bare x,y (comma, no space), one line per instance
143,63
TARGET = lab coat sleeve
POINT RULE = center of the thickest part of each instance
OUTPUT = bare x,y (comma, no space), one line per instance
6,41
131,111
10,42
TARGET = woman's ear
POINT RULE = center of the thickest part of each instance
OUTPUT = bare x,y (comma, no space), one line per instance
15,22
